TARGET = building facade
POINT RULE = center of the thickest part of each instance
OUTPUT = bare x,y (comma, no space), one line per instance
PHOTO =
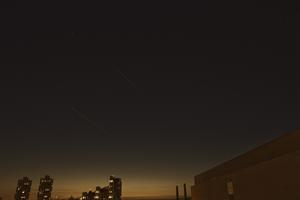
88,195
111,192
23,189
97,193
45,188
115,188
104,193
269,172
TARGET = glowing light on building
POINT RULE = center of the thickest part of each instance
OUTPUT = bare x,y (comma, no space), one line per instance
23,189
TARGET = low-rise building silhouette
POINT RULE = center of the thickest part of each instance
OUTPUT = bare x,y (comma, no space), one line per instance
88,195
73,198
104,193
111,192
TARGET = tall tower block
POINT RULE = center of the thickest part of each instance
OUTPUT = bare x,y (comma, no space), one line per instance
45,188
23,189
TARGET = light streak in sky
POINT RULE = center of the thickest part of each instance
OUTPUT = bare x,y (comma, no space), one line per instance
86,118
126,78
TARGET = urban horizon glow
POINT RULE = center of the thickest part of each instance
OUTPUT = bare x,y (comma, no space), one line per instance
152,189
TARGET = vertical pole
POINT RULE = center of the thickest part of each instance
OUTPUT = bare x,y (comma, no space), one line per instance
177,193
185,194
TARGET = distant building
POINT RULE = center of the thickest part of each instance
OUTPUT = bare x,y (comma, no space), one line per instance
73,198
104,193
97,193
111,192
270,171
88,195
45,188
83,196
23,189
115,188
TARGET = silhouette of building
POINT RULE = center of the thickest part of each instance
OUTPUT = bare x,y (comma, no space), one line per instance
97,193
73,198
88,195
177,192
184,192
104,193
111,192
270,171
84,195
45,188
185,197
23,189
115,188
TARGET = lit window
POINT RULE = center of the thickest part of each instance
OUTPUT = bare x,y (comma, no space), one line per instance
230,189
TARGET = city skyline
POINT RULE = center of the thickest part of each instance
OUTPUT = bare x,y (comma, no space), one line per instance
45,189
59,192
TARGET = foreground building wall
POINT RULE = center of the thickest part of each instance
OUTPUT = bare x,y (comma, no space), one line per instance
271,171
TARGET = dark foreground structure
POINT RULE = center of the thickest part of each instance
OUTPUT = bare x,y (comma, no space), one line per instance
269,172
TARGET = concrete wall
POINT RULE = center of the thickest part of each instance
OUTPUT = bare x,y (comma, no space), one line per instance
273,179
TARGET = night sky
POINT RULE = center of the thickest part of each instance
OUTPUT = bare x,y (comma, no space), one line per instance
153,93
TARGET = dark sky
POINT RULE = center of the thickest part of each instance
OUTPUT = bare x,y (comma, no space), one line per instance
153,93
